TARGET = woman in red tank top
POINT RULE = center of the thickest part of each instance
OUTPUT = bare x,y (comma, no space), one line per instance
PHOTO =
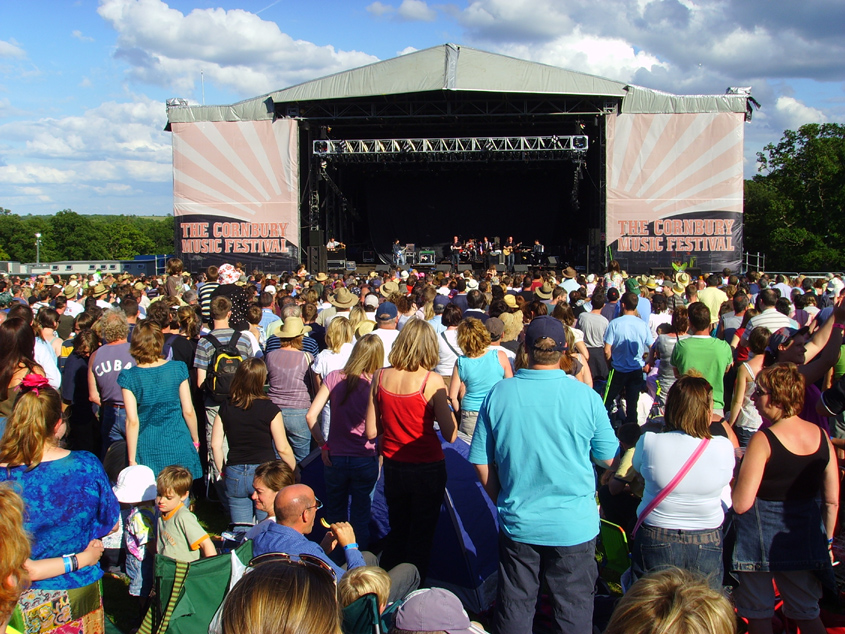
405,401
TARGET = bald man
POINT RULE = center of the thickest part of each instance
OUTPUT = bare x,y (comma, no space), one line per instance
296,508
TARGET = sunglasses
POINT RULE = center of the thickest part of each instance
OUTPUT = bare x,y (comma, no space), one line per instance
757,393
309,561
318,505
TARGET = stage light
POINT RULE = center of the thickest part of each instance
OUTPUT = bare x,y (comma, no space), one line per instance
579,142
321,147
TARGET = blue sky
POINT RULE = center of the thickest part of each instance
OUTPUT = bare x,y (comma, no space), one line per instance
83,83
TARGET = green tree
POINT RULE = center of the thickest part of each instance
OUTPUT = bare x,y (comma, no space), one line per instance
75,237
123,240
794,205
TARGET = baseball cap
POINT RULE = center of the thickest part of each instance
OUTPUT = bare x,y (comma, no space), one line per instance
371,300
496,328
546,327
434,610
782,336
441,300
612,294
386,311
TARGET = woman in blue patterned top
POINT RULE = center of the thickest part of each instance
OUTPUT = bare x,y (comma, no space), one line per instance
69,507
161,423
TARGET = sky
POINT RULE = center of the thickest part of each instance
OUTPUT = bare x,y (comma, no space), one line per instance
83,83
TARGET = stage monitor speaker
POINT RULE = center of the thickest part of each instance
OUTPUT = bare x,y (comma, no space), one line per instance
382,268
553,261
520,268
369,257
443,268
315,238
351,265
464,267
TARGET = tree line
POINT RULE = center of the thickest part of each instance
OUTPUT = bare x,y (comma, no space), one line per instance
68,235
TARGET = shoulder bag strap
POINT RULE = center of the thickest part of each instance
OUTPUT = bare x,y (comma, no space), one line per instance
457,353
671,486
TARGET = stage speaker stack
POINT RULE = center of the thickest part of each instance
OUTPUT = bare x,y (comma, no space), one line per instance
553,261
382,268
520,268
464,267
443,268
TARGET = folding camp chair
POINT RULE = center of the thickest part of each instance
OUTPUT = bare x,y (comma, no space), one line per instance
363,617
613,551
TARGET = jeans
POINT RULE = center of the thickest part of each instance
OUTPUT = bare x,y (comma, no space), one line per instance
238,483
354,476
112,424
697,551
631,383
414,493
141,574
570,573
299,434
510,259
743,435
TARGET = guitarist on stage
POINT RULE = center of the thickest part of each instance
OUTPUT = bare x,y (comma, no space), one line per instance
508,249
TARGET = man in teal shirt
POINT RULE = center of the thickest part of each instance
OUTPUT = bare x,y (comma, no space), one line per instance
531,449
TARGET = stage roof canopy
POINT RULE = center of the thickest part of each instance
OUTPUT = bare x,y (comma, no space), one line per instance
459,68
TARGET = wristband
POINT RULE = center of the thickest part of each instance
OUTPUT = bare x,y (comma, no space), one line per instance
75,561
196,445
351,546
67,563
830,541
325,447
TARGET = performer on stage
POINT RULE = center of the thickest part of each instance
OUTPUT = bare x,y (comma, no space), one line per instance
334,245
455,252
508,249
398,254
537,253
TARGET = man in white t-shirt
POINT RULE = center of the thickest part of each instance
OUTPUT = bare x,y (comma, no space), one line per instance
387,319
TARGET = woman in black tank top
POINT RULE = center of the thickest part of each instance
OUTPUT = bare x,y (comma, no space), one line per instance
782,532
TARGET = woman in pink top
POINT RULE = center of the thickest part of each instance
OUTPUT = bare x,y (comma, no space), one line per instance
350,459
405,401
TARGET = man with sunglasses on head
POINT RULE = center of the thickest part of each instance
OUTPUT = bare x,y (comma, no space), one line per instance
296,509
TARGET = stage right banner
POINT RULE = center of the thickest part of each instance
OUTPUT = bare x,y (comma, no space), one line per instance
674,190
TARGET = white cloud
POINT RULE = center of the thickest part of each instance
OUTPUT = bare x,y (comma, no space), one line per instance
694,43
416,11
379,9
793,114
406,50
11,49
34,173
79,36
236,49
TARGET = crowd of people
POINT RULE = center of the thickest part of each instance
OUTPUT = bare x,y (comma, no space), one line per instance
705,415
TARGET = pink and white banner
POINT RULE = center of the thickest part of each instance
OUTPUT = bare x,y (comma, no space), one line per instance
675,190
236,188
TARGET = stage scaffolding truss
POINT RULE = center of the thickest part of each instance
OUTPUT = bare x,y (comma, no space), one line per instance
524,148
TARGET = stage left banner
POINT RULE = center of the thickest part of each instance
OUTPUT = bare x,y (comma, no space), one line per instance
236,192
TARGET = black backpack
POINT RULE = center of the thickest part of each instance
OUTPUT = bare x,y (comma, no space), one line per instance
224,362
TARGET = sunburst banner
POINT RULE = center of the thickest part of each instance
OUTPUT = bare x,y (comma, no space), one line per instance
236,189
674,190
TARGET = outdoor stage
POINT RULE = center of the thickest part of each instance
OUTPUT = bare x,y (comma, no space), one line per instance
455,141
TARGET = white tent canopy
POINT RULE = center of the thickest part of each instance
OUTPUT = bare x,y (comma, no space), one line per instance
459,68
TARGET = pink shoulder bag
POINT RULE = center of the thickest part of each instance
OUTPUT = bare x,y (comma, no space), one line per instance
671,486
